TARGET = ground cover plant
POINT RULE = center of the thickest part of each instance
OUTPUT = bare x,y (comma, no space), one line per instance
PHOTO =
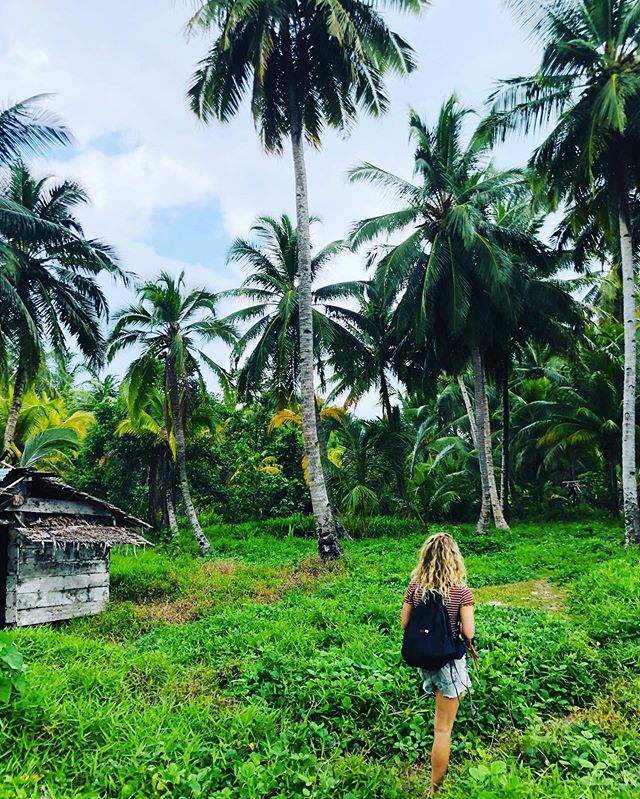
282,678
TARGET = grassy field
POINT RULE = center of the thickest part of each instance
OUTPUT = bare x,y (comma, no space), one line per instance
261,673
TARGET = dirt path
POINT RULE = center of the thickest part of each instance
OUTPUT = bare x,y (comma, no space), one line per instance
534,594
199,601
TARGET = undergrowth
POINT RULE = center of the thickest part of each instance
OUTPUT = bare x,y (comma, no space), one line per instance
288,682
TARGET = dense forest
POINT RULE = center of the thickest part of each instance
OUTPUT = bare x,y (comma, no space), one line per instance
499,358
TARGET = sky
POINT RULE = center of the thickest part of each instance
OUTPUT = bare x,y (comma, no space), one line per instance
170,193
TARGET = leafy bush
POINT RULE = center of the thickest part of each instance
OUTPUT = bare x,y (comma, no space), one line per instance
303,693
11,670
606,603
147,575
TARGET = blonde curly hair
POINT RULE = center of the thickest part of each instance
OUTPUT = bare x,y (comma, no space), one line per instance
440,565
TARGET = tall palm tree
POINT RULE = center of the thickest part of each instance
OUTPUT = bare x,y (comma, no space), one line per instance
544,309
271,258
52,269
453,271
151,425
373,324
306,66
589,83
166,323
25,128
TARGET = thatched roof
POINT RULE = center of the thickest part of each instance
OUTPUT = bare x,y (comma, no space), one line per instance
18,484
72,530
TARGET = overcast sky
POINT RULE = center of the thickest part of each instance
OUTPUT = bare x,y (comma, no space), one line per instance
169,193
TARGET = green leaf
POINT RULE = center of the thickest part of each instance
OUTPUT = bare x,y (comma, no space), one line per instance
5,689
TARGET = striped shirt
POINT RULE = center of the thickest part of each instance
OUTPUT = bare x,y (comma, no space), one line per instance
459,596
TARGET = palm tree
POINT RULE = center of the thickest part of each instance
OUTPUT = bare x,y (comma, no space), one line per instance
453,272
166,324
306,67
273,335
589,80
582,415
151,425
46,430
373,325
26,128
542,308
52,269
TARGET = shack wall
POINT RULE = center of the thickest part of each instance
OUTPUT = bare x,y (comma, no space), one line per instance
12,569
53,583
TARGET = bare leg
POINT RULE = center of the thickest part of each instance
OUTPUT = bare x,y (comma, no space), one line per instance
446,710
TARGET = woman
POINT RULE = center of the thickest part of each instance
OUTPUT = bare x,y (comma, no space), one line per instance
441,569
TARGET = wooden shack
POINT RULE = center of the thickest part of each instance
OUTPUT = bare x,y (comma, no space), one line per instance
55,543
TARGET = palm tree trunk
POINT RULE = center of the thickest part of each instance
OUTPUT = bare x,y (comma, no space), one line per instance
328,546
629,483
181,459
610,469
469,409
324,460
168,484
493,488
513,492
19,385
506,440
171,511
384,392
481,449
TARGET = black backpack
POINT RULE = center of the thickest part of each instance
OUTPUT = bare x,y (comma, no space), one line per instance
428,640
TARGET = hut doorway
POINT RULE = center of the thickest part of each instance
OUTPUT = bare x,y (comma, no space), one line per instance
4,568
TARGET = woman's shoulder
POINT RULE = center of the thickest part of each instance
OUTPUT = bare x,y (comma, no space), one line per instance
461,592
411,590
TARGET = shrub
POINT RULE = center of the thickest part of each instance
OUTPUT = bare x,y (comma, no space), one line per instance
606,604
11,670
147,575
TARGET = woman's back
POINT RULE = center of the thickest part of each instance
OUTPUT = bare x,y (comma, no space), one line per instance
458,596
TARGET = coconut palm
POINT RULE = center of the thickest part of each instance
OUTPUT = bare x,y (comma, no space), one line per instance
542,308
578,415
588,84
273,363
306,66
373,325
453,271
47,432
52,269
167,323
26,128
151,425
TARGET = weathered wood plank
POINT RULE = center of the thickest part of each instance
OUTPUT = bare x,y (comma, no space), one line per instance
12,561
62,582
35,553
44,569
71,596
10,615
62,506
25,618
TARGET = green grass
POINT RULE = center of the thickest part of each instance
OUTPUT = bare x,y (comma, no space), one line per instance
286,679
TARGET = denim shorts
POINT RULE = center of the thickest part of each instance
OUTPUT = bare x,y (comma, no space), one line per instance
451,680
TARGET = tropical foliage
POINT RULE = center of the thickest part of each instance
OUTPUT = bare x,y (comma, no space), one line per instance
504,385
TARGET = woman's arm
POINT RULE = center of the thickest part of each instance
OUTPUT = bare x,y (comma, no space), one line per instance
406,614
467,622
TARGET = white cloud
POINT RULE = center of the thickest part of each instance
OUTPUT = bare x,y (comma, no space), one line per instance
120,70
